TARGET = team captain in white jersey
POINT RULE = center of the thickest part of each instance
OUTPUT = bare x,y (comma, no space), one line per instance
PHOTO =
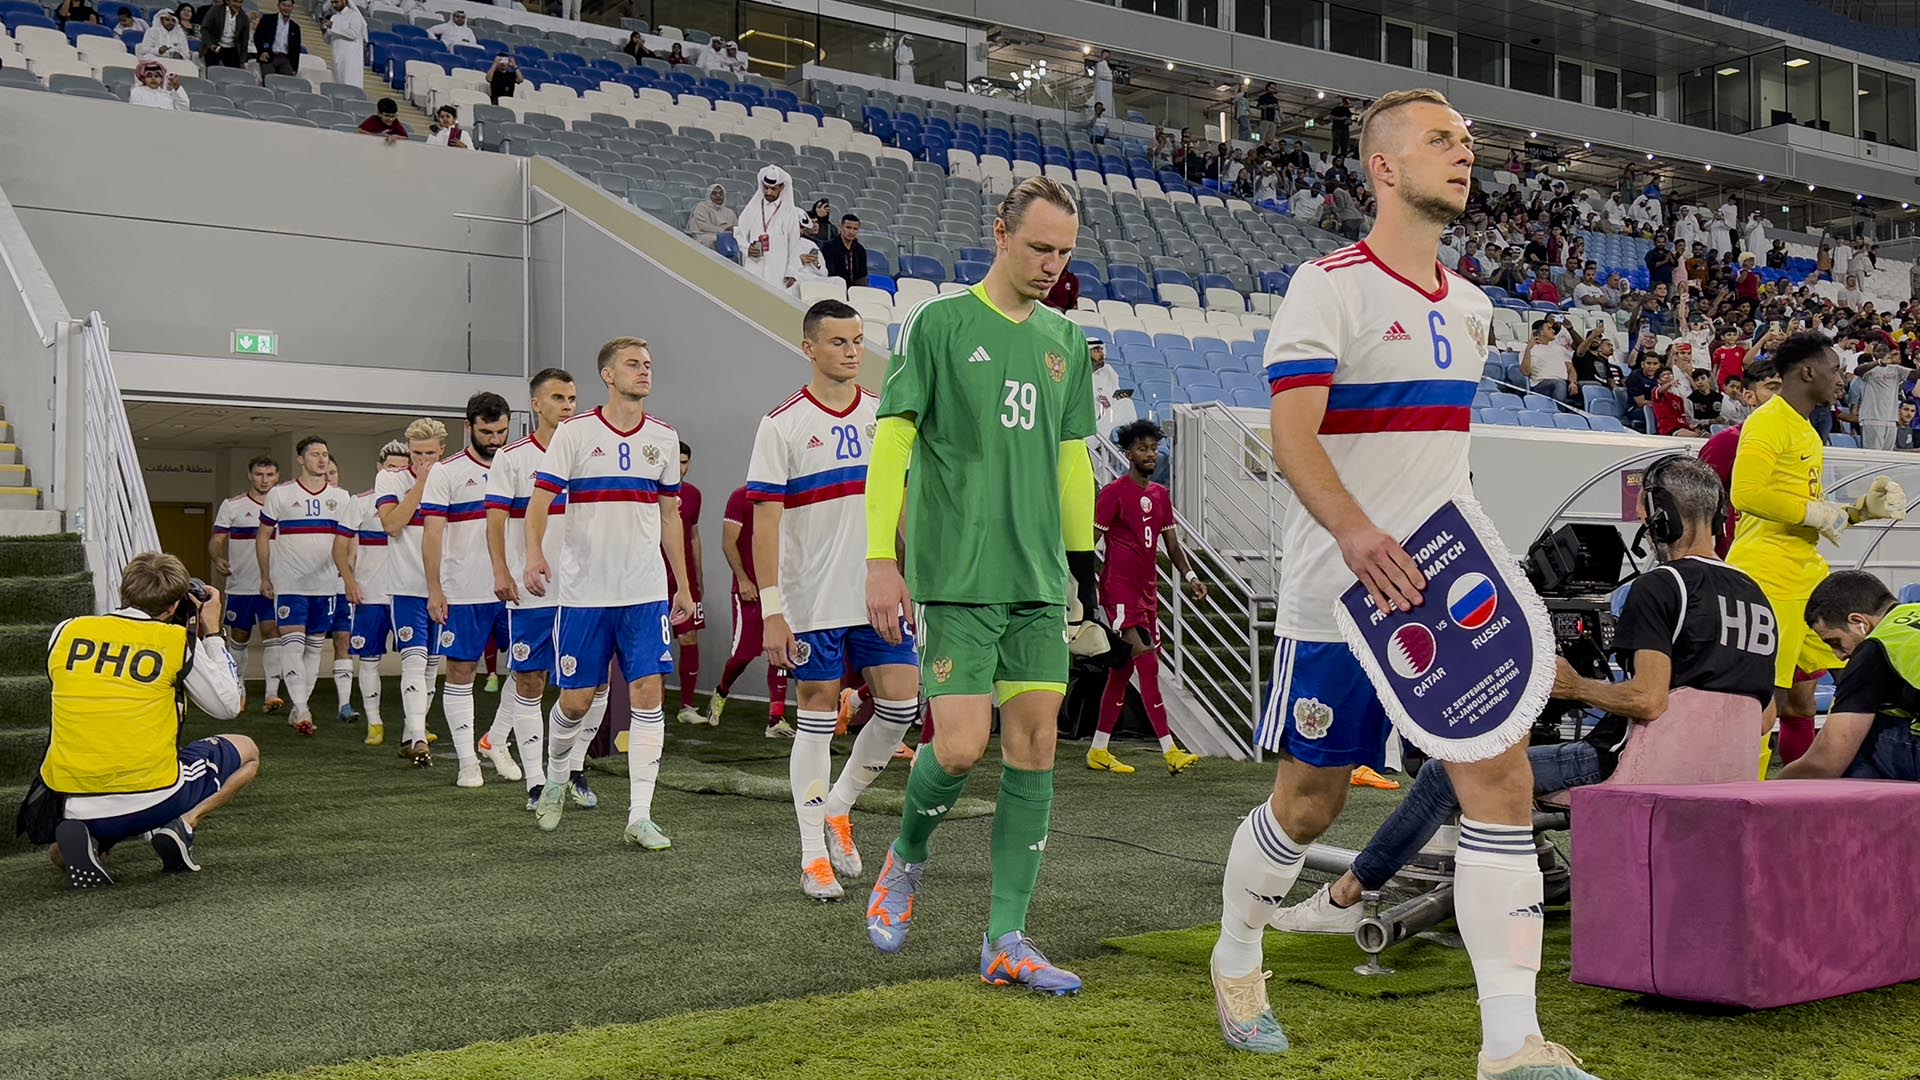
363,573
396,496
459,574
295,549
807,481
1374,358
235,525
620,471
530,654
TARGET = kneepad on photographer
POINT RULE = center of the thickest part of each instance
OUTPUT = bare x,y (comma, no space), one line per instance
114,768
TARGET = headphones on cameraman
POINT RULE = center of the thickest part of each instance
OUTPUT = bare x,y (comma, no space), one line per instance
1665,524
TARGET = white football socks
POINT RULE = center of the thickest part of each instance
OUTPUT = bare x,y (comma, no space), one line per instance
646,740
562,730
457,704
526,732
503,721
589,730
312,654
1262,866
413,694
1498,902
1102,739
239,654
270,665
370,690
809,768
293,669
872,749
343,681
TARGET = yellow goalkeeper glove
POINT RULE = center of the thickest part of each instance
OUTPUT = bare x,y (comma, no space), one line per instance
1884,501
1830,518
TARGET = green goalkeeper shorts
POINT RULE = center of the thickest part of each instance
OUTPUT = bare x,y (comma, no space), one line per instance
1002,649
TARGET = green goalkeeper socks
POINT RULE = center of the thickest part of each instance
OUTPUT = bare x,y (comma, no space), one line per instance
1019,840
931,793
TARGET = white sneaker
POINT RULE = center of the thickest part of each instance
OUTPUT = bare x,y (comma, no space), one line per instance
503,762
1318,915
469,775
779,729
690,715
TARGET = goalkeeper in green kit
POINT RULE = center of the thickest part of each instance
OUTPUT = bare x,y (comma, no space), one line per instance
990,397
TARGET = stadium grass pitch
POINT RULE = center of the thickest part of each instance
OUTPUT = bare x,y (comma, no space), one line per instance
359,918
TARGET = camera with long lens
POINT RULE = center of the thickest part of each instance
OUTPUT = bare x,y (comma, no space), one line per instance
1576,569
187,611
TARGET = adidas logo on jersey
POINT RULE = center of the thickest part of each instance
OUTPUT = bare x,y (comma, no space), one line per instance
1396,332
815,443
598,452
980,356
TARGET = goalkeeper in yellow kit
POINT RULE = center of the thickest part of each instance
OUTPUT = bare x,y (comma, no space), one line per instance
1783,515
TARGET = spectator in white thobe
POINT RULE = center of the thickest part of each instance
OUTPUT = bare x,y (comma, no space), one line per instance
347,37
455,32
768,231
1720,229
903,59
1753,235
165,38
157,88
1103,80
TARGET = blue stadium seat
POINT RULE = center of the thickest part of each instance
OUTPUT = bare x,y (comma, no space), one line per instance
1139,354
1204,344
1910,593
1251,398
920,266
1246,348
1099,333
1841,439
969,273
880,281
1502,417
1504,401
1186,375
1482,400
1173,341
1129,291
1243,380
1541,403
1605,423
726,245
1571,421
1172,277
1132,337
1224,361
1599,399
1533,419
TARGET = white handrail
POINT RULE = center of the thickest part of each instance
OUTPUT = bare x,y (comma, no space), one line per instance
116,516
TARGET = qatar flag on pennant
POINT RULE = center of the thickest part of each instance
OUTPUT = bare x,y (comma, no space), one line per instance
1464,675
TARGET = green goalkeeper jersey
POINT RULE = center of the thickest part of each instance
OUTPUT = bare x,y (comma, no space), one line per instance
992,400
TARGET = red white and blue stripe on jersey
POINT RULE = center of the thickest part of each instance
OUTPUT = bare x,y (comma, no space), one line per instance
517,507
373,538
474,510
237,532
812,488
305,526
594,489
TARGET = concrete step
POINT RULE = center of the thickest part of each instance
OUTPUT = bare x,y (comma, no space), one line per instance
316,43
9,453
19,498
13,475
30,522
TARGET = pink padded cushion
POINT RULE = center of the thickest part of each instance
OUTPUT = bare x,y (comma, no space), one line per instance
1680,890
1704,737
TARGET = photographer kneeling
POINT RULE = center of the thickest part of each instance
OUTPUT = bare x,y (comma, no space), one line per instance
1695,637
1869,733
113,769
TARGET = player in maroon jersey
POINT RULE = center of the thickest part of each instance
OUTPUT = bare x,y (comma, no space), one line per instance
687,631
737,544
1134,513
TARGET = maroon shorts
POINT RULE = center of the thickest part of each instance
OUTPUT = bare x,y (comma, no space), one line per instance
749,634
695,624
1126,616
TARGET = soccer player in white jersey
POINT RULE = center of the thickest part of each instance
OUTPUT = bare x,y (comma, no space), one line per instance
235,525
342,629
1373,361
363,572
807,480
530,655
459,573
298,525
620,471
396,496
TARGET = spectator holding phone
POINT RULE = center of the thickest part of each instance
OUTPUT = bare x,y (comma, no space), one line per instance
157,88
1643,382
1548,363
1670,409
503,77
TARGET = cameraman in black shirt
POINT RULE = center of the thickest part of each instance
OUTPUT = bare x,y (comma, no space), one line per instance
1696,636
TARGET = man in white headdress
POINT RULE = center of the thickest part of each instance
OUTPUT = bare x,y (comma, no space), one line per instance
1753,235
1686,228
165,38
1616,214
1645,211
1720,228
903,59
455,32
769,231
347,37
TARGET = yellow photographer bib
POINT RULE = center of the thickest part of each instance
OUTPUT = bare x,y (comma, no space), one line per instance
116,717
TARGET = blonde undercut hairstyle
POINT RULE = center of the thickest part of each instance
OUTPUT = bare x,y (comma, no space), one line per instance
1370,132
1034,189
426,428
612,348
394,448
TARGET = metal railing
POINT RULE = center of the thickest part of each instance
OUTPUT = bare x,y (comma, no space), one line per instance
116,520
1235,496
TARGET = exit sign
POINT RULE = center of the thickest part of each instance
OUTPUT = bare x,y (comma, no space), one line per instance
256,342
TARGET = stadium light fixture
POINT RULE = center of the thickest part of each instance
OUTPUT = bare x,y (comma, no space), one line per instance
1086,50
1906,206
1169,65
1798,62
1246,80
1586,146
1320,95
1809,187
1725,71
1708,166
1762,177
1860,198
1649,157
1533,134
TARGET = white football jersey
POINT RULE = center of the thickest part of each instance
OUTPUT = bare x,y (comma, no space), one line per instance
370,561
813,462
457,491
613,480
510,488
1401,366
238,519
405,574
304,524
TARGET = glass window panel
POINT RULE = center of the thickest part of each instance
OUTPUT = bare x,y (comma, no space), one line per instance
1439,53
1573,80
1353,33
1873,105
1530,70
1733,96
1606,88
1900,109
1836,96
780,40
1696,97
1204,12
1482,60
1770,89
1399,45
1803,86
1295,23
1250,17
696,15
868,50
1637,93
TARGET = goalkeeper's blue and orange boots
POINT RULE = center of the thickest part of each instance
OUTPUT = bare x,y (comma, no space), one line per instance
1015,960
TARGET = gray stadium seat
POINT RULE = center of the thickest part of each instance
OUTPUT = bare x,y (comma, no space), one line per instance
20,78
